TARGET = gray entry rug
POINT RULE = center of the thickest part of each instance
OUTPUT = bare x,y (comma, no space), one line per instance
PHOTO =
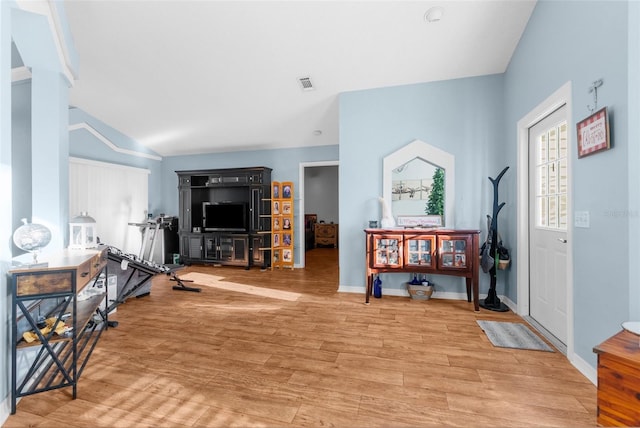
512,335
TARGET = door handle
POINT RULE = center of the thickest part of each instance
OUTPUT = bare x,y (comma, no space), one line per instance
564,241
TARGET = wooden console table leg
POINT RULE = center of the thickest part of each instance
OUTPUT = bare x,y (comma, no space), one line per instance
369,288
473,284
468,289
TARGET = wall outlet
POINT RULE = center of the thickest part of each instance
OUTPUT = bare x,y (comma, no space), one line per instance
581,219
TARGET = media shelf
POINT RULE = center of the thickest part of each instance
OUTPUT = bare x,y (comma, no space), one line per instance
282,228
225,216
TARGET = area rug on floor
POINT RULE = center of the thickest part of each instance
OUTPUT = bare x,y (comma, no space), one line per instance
512,335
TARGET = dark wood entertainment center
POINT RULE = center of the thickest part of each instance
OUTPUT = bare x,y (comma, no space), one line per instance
225,216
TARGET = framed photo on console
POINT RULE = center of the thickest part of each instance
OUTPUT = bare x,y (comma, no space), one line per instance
420,221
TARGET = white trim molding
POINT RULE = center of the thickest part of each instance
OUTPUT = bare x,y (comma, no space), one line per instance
82,161
108,143
556,100
20,73
48,9
300,236
585,368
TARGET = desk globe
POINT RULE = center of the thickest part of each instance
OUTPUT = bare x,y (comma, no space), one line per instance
31,237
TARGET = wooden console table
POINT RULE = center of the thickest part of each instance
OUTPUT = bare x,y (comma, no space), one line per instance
434,251
619,380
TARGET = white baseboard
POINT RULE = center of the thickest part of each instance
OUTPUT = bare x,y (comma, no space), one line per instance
5,410
585,368
401,292
351,289
509,303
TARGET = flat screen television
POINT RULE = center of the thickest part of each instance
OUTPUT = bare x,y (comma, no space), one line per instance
224,216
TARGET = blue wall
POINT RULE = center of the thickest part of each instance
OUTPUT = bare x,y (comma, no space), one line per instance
284,162
634,156
474,119
581,42
21,155
44,195
6,208
462,117
163,181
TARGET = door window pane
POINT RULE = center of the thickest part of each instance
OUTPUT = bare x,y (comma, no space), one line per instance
553,211
553,144
562,212
543,212
562,176
562,141
542,149
542,180
552,178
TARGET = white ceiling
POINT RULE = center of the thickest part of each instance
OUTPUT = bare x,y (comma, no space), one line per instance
187,77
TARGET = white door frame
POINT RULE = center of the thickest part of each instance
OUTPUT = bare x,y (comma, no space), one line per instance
559,98
300,235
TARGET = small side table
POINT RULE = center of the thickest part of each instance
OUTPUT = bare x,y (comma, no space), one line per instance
327,234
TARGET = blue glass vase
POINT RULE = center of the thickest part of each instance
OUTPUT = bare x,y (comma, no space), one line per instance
377,287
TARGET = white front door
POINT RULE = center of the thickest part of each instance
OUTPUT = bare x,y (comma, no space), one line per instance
548,222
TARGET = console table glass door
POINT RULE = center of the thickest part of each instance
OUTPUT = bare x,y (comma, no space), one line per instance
441,252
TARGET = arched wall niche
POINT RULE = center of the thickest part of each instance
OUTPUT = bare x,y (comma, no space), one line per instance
431,156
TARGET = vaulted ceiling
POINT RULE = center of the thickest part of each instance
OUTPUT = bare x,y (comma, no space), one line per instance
188,77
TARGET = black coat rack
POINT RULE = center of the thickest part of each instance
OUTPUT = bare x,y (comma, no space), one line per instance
492,302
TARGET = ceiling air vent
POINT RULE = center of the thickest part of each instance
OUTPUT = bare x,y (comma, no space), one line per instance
305,83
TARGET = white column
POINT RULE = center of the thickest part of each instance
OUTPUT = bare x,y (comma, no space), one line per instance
50,154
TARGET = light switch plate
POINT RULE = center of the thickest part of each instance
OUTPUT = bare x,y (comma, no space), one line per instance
581,219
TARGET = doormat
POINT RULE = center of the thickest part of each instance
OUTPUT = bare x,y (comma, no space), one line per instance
512,335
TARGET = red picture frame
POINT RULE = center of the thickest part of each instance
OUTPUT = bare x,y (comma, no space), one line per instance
593,133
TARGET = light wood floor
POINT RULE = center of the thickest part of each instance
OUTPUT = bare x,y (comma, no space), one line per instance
282,348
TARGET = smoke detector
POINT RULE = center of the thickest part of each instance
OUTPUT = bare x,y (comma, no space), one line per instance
434,14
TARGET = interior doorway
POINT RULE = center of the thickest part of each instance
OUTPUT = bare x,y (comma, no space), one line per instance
318,184
535,260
